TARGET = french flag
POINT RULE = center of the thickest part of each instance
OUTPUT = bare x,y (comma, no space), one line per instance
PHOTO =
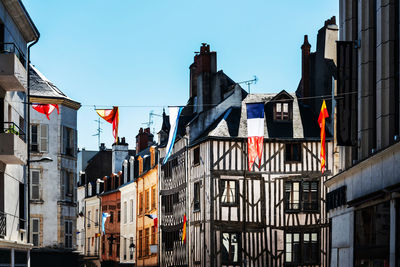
255,131
154,218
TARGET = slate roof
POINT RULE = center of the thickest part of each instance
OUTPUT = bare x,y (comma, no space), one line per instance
233,123
40,86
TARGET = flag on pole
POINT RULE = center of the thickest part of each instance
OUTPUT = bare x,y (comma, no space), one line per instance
184,230
321,120
174,113
103,221
154,218
46,109
111,116
255,132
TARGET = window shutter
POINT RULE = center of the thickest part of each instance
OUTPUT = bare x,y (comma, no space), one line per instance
35,185
62,186
44,138
64,140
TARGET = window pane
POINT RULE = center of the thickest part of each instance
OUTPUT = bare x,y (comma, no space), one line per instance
279,107
35,225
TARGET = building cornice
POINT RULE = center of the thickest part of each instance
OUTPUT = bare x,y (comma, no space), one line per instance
56,100
22,19
362,164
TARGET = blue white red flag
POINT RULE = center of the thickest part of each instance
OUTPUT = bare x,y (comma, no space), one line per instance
255,132
174,113
154,217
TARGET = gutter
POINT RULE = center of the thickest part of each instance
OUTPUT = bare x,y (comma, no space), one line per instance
29,134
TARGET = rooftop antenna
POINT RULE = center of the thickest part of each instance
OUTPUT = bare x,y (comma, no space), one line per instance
99,130
249,82
151,121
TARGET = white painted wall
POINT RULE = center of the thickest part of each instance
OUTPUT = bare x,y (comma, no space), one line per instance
128,229
50,181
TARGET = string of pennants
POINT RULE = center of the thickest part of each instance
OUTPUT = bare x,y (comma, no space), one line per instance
255,128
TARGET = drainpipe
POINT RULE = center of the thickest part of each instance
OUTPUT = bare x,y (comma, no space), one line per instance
28,137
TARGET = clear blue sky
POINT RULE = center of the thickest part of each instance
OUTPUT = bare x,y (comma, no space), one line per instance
131,52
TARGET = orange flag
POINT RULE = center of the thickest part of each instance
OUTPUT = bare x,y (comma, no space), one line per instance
184,230
321,120
111,116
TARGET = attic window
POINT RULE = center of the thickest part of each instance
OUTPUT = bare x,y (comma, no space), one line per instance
282,111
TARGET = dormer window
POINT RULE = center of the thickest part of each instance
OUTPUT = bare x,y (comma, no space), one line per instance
282,111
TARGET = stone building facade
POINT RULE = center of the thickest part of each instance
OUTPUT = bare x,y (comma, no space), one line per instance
363,201
17,31
53,184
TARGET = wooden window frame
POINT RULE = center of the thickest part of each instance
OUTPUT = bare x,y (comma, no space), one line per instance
196,156
131,210
282,116
140,244
140,203
229,261
196,196
147,200
147,242
312,206
222,188
302,259
289,158
153,197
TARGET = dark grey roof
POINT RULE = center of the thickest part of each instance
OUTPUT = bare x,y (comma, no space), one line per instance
40,86
233,123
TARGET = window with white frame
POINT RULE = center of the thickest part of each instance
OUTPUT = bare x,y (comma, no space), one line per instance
39,137
35,185
132,210
68,234
35,231
125,212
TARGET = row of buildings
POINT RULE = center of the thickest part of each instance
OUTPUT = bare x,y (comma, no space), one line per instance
37,155
124,184
272,215
285,212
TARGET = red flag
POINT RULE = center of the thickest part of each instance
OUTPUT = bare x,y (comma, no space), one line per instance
46,109
321,120
184,230
111,116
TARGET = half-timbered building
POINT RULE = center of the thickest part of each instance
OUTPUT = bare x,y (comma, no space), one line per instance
271,215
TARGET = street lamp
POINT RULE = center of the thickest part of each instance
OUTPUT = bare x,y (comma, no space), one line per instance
44,159
131,249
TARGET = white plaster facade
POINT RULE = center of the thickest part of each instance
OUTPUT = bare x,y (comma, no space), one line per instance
17,31
128,220
54,206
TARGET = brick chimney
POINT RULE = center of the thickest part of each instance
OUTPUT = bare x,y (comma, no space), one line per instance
144,139
201,74
305,68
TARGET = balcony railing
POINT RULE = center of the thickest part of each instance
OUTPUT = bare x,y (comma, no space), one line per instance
11,48
3,224
11,127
